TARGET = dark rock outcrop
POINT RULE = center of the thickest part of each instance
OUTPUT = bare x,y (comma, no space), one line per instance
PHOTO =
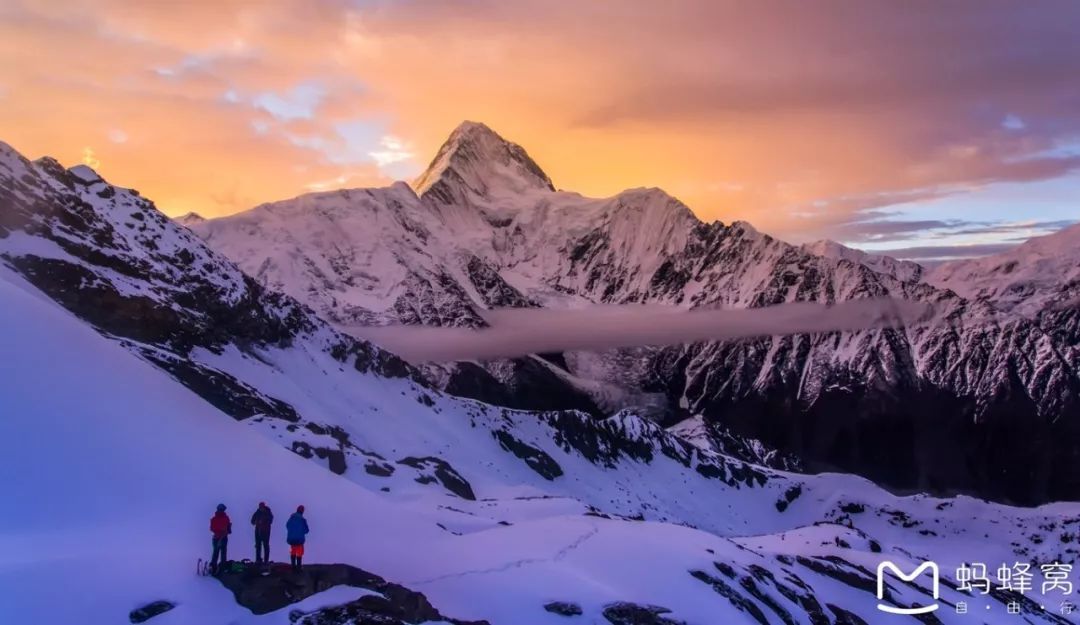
150,610
563,608
280,587
537,459
625,613
523,383
433,469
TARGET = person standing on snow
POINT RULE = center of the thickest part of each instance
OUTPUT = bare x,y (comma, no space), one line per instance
296,529
220,528
262,520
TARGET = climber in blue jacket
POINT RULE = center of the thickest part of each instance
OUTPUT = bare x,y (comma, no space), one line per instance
296,529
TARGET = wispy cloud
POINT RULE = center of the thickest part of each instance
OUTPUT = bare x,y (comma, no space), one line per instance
518,332
945,252
1017,229
299,102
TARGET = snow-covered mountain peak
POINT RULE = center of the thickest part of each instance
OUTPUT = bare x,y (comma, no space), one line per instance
475,160
903,270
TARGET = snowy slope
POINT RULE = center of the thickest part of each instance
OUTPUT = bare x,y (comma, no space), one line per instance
489,231
141,460
1042,272
125,464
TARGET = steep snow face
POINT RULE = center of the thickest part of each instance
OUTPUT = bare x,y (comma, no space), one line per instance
458,249
351,255
903,270
1042,272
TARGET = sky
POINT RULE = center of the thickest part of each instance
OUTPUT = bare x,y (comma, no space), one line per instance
924,129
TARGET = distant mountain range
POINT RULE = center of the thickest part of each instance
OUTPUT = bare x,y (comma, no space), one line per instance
986,403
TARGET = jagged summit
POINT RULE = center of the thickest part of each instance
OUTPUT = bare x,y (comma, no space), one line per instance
188,219
476,160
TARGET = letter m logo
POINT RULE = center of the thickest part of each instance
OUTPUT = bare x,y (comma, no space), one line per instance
935,575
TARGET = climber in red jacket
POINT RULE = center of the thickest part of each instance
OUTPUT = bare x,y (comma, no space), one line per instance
220,528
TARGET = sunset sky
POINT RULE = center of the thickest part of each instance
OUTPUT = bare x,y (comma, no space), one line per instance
914,126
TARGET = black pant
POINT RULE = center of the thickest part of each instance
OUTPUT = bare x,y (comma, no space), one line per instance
221,549
262,548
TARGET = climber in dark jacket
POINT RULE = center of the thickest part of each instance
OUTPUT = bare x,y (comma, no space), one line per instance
296,529
262,520
220,528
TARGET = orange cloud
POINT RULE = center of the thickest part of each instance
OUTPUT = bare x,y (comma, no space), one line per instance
796,118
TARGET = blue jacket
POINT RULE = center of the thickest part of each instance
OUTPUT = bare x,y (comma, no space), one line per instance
296,529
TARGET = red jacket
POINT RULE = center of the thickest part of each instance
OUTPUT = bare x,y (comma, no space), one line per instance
220,525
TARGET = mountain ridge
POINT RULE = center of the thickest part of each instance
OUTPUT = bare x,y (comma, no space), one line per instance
1039,273
454,254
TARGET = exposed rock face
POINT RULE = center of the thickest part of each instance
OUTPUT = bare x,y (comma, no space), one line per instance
938,408
389,604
